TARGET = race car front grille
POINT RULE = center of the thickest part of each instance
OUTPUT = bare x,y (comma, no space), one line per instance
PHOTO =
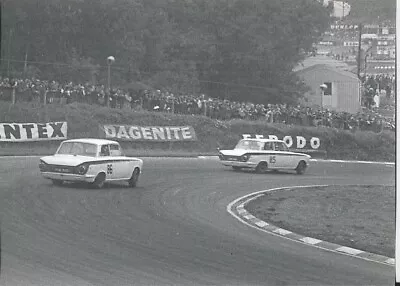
230,158
60,169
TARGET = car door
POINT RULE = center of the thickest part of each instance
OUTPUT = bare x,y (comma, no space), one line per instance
107,163
285,158
271,157
123,169
279,158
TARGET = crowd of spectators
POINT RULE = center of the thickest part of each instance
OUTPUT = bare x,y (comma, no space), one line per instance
380,82
378,88
159,101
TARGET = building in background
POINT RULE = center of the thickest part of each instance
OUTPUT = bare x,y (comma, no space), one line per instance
331,87
340,8
385,47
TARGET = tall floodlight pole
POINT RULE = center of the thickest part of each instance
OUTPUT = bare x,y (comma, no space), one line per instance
343,10
359,50
110,61
397,120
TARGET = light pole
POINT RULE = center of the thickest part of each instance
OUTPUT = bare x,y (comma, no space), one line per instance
110,61
365,59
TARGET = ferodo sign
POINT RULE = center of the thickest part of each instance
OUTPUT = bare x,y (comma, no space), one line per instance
148,133
297,142
22,132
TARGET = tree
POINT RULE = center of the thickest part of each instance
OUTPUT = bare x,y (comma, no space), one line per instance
240,49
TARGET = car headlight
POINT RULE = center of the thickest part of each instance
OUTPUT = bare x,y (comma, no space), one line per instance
43,166
245,157
82,169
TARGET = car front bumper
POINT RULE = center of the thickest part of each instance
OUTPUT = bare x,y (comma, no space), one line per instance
239,164
68,177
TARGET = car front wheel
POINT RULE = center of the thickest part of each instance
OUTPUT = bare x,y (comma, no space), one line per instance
262,168
301,168
134,178
99,181
57,182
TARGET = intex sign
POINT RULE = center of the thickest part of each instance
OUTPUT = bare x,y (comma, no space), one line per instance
21,132
299,141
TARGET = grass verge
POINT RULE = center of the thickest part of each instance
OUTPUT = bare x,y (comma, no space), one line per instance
42,151
361,217
83,121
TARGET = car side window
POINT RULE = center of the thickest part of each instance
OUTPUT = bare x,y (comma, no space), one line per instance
269,146
105,150
253,145
279,146
115,150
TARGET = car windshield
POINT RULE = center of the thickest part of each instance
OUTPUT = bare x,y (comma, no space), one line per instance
280,146
249,145
78,148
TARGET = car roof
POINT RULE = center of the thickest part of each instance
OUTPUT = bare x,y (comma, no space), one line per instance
262,140
92,141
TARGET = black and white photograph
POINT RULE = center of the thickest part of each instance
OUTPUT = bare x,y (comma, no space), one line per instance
199,142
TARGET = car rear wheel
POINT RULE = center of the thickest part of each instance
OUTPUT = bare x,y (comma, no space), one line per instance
262,168
99,181
57,182
134,178
301,168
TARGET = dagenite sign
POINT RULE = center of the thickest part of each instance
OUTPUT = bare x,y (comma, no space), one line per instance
148,133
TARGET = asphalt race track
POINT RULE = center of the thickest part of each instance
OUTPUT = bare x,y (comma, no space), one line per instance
172,230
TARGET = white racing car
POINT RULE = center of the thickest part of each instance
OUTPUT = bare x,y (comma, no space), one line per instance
95,161
263,155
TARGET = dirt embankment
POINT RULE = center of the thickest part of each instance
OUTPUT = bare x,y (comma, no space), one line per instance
83,121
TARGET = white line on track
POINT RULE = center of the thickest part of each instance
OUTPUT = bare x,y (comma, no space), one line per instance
20,157
310,240
349,250
216,157
324,160
282,231
262,223
391,261
354,162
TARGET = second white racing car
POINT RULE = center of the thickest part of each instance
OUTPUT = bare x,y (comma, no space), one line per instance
263,155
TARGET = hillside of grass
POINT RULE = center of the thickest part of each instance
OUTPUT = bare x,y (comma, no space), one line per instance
83,121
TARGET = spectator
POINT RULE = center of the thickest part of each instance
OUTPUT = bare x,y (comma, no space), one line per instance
34,90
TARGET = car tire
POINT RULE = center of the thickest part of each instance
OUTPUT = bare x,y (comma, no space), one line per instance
301,168
99,181
262,168
57,182
236,168
134,178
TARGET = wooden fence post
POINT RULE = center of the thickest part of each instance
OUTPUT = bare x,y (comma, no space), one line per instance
45,97
13,95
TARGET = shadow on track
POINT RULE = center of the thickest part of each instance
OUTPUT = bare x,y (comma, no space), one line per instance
88,186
